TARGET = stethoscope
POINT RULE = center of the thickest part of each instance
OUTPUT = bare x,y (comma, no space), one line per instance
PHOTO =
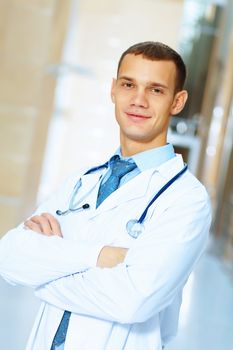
134,227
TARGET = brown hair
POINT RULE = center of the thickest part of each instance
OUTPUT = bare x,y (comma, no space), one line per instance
156,51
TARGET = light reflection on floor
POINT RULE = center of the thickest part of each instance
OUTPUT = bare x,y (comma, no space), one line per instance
207,311
206,320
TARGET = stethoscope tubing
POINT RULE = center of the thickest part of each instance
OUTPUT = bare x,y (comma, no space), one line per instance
75,191
134,221
163,189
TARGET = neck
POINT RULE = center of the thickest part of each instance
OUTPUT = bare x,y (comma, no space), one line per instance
130,147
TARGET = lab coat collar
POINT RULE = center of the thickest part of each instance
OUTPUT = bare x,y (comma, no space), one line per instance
135,188
171,167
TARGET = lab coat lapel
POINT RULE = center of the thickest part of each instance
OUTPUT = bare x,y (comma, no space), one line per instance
135,188
89,189
138,186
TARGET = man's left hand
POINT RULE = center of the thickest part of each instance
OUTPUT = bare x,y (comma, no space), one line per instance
45,224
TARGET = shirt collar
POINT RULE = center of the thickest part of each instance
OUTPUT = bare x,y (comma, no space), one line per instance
151,158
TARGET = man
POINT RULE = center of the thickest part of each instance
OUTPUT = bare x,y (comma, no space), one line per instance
110,273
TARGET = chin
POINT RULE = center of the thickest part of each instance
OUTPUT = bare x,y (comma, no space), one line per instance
137,138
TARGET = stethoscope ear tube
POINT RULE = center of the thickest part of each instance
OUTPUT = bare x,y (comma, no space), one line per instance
63,213
76,188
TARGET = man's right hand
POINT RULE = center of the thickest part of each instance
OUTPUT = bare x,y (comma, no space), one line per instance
111,256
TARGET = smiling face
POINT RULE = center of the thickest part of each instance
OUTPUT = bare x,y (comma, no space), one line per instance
144,97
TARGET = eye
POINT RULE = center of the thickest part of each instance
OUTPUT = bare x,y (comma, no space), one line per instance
157,90
127,84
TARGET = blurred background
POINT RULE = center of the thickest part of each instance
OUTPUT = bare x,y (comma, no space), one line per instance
57,60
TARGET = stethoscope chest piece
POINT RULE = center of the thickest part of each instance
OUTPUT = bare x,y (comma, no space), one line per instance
134,228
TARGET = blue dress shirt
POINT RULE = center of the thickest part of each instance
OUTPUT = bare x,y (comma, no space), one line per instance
144,161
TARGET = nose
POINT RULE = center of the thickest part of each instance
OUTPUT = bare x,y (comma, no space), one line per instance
139,98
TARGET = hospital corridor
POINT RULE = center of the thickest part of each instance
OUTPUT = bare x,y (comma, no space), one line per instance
58,64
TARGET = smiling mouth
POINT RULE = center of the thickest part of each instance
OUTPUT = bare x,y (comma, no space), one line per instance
137,116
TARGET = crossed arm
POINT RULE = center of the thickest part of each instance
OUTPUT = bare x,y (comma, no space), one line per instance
142,281
48,225
150,276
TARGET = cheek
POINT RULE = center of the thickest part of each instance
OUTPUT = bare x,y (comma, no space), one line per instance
120,102
161,108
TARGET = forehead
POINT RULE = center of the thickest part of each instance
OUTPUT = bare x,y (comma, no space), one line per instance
144,70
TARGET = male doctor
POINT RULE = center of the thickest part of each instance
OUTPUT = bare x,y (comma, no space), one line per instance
105,282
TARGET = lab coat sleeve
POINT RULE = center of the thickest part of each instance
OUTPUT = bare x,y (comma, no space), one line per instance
155,268
32,259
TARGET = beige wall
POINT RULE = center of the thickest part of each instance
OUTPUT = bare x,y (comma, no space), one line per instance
27,44
32,35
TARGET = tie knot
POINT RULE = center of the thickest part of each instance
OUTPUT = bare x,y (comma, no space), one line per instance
121,167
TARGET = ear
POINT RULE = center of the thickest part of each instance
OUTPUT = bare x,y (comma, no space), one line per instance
113,90
179,102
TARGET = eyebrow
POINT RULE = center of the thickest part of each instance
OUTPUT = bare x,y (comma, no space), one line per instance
150,83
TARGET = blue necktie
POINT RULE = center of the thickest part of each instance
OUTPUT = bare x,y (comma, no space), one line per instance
119,168
60,335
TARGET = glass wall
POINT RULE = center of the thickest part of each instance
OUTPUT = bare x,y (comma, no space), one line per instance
207,45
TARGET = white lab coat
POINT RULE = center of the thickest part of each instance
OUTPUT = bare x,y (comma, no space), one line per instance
134,305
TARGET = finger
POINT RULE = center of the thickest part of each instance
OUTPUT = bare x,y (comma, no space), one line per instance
54,224
32,226
43,223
